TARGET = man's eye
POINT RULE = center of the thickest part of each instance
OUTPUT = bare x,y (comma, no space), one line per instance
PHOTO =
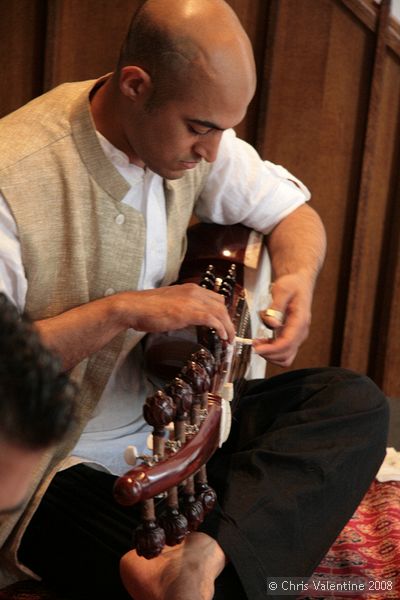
197,131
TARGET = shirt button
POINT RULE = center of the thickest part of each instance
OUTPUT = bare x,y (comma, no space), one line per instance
120,219
109,292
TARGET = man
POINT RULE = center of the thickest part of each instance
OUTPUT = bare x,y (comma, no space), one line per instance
36,405
99,180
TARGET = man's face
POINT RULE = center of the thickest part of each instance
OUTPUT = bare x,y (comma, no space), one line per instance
17,465
172,138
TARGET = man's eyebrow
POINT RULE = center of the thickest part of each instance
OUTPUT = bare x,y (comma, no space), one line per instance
206,124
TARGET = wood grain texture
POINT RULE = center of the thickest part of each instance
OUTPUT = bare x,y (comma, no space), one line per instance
365,11
369,222
84,38
22,42
312,113
384,355
254,17
315,117
393,36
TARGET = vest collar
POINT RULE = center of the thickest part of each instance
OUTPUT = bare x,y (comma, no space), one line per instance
90,150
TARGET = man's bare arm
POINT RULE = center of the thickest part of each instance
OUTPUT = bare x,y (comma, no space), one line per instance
297,248
79,332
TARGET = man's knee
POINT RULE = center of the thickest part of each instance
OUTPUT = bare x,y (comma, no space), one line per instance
362,393
349,397
366,407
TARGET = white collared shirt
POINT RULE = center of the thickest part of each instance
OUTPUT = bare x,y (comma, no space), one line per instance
240,188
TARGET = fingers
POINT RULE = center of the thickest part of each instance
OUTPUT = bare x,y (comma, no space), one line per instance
209,310
282,356
282,350
289,315
176,307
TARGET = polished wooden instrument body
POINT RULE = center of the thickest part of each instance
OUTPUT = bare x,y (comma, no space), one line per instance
147,481
194,399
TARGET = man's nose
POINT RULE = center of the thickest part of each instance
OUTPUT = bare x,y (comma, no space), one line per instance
207,147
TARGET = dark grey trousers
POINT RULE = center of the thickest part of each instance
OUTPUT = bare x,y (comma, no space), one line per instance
303,450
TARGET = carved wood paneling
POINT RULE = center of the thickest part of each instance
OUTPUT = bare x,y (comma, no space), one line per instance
364,10
22,42
84,37
315,60
369,224
315,117
331,114
384,353
254,18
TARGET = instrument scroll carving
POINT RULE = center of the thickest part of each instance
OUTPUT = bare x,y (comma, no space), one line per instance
193,400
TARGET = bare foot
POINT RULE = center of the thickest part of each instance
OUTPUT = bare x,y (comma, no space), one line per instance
184,572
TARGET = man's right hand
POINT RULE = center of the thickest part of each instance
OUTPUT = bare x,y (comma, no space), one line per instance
175,307
86,329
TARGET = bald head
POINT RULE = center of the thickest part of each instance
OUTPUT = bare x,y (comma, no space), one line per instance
185,74
184,44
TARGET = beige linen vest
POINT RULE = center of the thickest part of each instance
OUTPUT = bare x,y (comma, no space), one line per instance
65,196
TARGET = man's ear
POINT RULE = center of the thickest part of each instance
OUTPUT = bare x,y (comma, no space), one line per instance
134,82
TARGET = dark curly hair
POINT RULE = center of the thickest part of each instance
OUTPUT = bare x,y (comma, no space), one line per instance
37,400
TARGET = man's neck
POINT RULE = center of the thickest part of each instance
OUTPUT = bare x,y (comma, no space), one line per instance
103,102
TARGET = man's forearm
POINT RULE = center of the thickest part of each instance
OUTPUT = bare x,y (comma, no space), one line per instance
82,331
297,249
298,244
79,332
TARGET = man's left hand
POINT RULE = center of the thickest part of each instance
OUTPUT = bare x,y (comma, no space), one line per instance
291,298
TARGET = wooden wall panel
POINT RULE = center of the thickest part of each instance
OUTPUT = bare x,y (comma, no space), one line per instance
386,343
315,116
387,371
384,354
376,233
84,38
254,18
371,211
22,41
315,60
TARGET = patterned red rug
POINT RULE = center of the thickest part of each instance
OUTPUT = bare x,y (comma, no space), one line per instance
368,549
367,552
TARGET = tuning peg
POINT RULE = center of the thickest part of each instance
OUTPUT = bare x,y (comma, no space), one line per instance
226,291
175,525
208,279
131,455
210,272
207,283
197,377
159,410
205,358
230,278
181,393
149,537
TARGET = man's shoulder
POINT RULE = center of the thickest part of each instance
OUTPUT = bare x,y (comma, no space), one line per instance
40,123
